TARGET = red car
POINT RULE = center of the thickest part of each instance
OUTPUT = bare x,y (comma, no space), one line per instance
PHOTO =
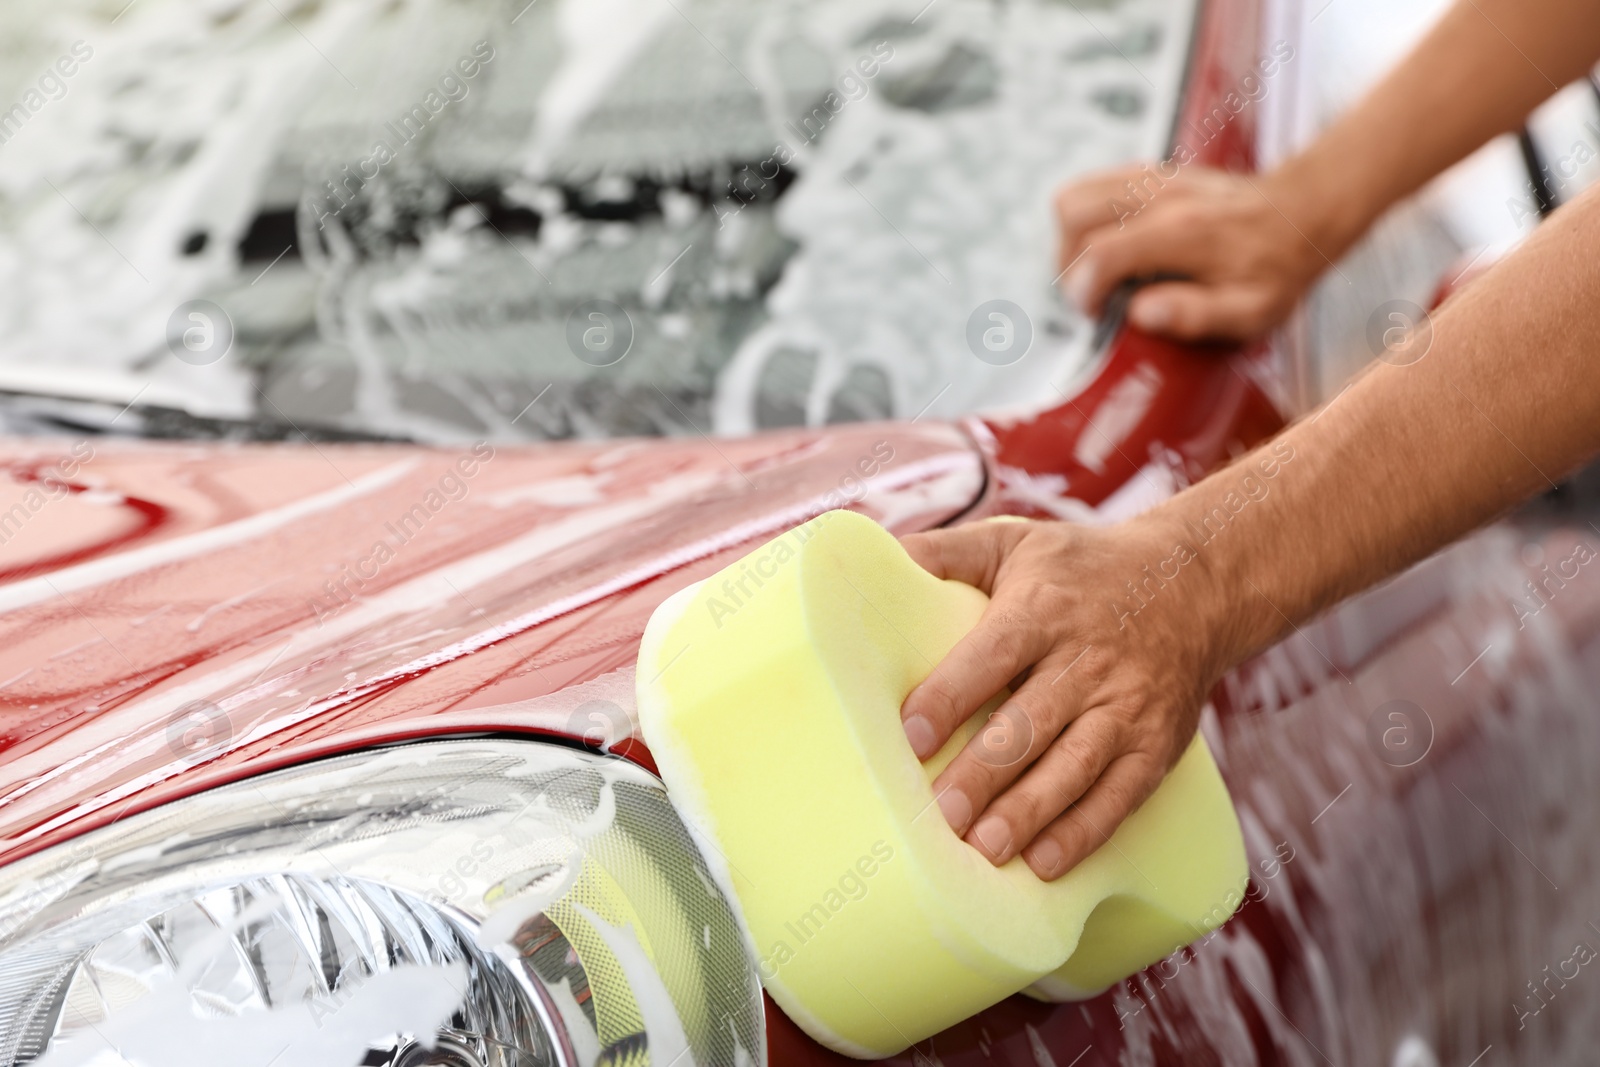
325,752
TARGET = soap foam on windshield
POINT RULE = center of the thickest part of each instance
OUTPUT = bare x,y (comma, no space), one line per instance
791,239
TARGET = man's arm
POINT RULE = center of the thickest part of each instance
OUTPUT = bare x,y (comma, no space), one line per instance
1253,245
1505,401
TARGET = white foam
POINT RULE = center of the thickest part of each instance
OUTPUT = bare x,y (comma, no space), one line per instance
162,1029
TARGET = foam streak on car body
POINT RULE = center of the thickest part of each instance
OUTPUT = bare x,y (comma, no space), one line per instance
100,571
142,723
735,535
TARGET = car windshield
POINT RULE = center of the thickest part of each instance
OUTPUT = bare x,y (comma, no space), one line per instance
438,220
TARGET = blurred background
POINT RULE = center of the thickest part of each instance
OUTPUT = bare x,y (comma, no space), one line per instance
398,212
781,256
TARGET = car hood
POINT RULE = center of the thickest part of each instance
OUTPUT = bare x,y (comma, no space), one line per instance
177,616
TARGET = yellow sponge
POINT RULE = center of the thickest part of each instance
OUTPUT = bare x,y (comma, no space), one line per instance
770,697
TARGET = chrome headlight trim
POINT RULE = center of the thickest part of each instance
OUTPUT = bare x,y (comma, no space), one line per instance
557,889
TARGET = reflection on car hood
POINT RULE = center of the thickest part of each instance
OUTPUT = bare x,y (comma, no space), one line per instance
178,616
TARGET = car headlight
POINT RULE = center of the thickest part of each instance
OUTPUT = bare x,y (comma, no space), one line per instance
473,902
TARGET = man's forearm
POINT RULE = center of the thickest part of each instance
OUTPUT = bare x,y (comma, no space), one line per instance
1505,401
1118,633
1477,74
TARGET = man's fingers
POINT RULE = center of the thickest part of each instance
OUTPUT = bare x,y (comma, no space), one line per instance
1088,205
1005,641
1190,311
1089,823
1053,771
969,553
1142,249
1014,736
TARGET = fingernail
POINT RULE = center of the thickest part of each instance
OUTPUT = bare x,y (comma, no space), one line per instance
995,837
1152,314
1079,281
1045,859
919,731
957,809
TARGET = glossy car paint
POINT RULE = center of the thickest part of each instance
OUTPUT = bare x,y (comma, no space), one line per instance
1150,406
1390,901
280,603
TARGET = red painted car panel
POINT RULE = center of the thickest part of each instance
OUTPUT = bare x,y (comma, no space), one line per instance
520,601
297,601
1152,404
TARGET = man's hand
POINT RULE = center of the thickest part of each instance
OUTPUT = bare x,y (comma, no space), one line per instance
1248,246
1109,699
1245,248
1111,638
1109,649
